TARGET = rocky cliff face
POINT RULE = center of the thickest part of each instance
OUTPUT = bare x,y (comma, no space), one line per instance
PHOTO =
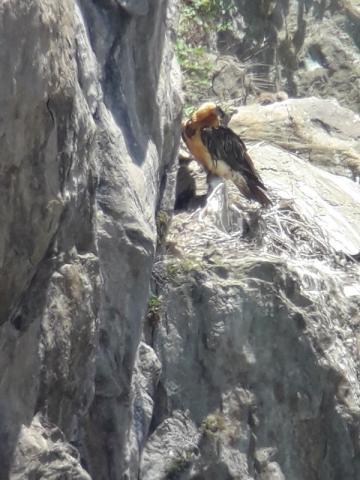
254,314
257,328
304,47
89,96
222,346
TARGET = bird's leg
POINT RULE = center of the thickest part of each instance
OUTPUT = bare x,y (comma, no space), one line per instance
212,181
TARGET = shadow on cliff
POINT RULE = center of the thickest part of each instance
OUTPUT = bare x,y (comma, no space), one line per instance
21,376
270,42
130,52
34,355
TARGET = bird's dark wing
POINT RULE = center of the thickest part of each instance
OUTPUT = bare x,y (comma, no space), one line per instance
223,144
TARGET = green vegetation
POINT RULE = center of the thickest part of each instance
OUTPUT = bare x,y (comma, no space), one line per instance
198,18
194,64
153,310
162,226
181,267
213,424
199,21
154,303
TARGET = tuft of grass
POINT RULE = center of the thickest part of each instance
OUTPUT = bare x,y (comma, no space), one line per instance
182,267
153,310
213,424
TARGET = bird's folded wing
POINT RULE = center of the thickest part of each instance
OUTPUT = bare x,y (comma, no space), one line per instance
223,144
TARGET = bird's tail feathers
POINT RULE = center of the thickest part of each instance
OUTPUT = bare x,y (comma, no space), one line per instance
253,189
259,194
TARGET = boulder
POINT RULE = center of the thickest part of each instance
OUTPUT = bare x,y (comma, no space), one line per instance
321,131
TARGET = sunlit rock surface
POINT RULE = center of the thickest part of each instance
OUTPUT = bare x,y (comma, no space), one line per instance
87,122
256,326
241,361
257,331
329,202
44,453
320,131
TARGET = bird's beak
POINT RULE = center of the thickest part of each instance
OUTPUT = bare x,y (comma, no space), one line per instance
224,117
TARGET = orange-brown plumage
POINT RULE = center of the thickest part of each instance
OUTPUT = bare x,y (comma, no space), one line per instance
220,151
204,117
207,115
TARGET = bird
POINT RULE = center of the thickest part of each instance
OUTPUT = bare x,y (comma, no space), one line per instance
222,152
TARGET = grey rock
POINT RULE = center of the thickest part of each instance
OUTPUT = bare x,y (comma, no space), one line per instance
42,452
255,338
229,79
170,449
305,48
86,126
250,370
135,7
272,472
33,169
248,331
135,144
321,131
145,379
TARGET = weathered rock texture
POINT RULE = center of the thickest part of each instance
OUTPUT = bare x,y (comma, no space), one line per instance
321,131
308,47
88,110
257,333
245,363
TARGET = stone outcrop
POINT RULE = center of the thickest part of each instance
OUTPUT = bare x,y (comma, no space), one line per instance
320,131
257,332
307,48
221,345
88,111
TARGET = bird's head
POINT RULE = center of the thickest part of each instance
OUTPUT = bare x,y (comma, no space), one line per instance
208,114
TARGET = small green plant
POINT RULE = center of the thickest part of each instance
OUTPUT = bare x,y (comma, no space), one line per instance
188,110
162,225
195,31
172,269
189,264
213,424
183,266
153,310
202,15
154,303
